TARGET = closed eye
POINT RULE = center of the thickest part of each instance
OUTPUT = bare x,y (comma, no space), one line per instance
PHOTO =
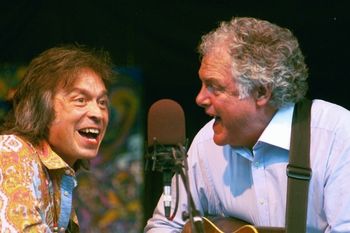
215,90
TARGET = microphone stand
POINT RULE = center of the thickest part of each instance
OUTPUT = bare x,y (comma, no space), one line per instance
162,162
193,214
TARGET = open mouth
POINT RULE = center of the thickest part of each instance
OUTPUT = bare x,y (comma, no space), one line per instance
89,133
217,118
218,121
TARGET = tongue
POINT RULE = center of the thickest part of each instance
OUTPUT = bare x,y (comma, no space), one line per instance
217,124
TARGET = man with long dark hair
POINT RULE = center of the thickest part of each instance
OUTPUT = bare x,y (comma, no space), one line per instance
59,117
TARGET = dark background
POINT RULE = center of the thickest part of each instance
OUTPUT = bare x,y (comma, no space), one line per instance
161,37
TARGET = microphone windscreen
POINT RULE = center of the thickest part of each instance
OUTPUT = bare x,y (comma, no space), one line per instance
166,123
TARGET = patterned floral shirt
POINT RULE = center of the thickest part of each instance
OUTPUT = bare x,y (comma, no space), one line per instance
36,188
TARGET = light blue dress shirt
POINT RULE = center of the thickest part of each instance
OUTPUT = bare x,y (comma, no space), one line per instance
252,185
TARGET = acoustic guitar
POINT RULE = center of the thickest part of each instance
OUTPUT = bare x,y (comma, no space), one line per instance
231,225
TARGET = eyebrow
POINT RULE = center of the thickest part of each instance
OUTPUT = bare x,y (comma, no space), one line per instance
85,92
211,80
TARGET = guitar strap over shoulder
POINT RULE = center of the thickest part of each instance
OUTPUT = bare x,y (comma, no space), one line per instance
298,169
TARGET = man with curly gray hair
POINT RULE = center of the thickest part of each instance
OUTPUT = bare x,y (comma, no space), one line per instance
253,73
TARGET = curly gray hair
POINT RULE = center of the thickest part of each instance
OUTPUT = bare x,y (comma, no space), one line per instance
263,55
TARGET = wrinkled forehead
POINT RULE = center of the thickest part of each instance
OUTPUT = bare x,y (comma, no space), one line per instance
68,82
216,60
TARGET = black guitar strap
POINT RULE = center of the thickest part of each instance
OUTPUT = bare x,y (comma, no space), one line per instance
298,169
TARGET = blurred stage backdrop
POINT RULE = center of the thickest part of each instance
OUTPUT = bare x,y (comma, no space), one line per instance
108,197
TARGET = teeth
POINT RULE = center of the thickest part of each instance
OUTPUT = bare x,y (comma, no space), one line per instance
95,131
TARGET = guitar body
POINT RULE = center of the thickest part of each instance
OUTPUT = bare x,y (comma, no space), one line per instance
231,225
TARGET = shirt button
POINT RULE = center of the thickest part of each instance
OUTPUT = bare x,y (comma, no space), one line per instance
256,164
67,172
66,193
62,229
261,202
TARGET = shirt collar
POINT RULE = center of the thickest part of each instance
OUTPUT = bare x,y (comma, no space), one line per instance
278,131
49,158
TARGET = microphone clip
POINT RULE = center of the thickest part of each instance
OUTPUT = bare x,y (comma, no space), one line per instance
165,157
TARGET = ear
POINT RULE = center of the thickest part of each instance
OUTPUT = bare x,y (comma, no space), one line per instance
263,95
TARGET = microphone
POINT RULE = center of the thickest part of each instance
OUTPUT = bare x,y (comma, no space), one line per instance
166,139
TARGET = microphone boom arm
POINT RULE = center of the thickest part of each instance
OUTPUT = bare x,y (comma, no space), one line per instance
177,163
193,214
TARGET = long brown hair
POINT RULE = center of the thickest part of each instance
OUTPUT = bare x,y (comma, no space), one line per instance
32,111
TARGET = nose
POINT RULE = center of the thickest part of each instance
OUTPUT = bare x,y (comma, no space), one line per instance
202,98
95,112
